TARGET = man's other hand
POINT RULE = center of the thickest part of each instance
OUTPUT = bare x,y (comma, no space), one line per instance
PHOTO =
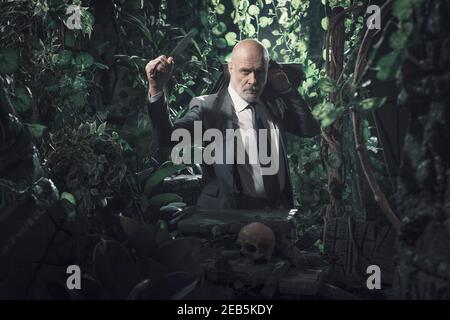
278,80
158,73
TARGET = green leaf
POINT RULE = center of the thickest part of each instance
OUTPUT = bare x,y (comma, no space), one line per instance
204,17
322,110
220,8
101,66
9,60
284,18
64,57
373,103
319,245
83,130
265,22
372,144
325,23
69,39
253,10
190,92
327,113
169,208
173,206
79,83
87,22
399,39
331,117
266,43
388,66
402,9
93,127
250,30
22,99
78,100
159,176
296,4
84,60
36,129
220,43
324,54
219,28
163,199
231,38
366,130
69,197
326,85
101,128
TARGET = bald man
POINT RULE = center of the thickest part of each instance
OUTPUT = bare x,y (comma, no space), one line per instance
241,105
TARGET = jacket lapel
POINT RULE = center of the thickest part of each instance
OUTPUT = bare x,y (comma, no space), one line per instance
225,119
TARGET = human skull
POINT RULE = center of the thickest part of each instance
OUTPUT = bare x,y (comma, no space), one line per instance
256,241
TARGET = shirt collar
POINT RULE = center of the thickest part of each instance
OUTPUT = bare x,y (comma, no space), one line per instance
239,104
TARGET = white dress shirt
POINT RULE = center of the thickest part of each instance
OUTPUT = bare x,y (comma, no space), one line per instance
250,173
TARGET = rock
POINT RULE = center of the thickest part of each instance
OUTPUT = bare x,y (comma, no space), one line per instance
271,284
230,254
249,275
332,292
187,186
206,223
305,259
303,283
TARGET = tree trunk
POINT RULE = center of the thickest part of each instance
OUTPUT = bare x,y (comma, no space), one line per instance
423,262
332,149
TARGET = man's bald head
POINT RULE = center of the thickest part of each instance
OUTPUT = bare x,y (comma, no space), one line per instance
248,69
250,48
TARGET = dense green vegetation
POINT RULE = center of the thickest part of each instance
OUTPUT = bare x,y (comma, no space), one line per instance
82,95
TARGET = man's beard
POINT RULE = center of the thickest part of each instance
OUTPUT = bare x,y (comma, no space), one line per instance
251,94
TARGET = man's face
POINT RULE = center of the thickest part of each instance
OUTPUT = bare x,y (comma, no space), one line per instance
248,74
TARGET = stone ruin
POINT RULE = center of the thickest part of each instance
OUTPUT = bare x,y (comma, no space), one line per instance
289,274
350,246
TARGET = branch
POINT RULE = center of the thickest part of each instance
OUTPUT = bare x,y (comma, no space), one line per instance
361,149
378,195
333,24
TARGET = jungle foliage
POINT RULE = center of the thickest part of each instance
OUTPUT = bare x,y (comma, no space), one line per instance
81,94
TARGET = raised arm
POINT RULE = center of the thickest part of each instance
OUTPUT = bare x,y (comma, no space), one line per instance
158,72
297,118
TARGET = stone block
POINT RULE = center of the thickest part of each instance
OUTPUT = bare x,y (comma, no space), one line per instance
302,282
209,224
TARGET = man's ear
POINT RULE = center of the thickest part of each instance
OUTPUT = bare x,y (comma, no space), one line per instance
230,66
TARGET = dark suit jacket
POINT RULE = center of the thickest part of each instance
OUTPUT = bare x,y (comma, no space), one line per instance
288,111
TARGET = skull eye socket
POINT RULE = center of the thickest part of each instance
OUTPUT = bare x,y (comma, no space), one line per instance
249,248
